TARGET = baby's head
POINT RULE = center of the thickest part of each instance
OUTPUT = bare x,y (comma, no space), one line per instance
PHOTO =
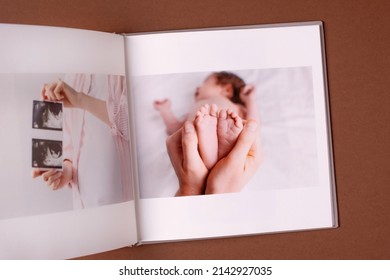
222,83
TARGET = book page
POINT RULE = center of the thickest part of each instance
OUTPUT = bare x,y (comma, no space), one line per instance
280,74
66,175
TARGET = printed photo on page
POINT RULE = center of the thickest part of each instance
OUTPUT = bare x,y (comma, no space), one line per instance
217,107
66,143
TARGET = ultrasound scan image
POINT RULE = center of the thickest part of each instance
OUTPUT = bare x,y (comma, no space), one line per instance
47,115
46,153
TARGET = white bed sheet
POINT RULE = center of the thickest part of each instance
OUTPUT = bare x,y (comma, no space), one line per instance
284,97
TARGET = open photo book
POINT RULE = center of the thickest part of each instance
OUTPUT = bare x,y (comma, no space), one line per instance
120,140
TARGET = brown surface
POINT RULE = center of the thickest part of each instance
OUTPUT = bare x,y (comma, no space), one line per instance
357,36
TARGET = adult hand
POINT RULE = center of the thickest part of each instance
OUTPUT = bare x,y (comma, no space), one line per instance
232,172
55,179
182,148
60,91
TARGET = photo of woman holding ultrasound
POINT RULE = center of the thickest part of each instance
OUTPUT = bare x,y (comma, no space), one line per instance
96,152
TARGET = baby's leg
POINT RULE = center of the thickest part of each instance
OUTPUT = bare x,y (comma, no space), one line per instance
171,123
228,129
206,127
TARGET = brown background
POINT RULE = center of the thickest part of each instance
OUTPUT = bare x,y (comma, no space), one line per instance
357,37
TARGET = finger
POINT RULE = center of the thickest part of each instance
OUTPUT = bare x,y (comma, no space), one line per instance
36,172
55,185
46,175
175,150
244,143
190,144
58,90
43,92
48,93
54,177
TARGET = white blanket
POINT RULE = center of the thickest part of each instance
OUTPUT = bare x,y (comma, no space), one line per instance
285,101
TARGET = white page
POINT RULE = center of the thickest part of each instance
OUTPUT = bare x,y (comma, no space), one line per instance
294,187
35,221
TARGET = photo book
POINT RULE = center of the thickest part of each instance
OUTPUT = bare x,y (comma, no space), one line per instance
116,140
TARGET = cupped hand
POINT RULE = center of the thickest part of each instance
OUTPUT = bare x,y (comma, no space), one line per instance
182,148
233,172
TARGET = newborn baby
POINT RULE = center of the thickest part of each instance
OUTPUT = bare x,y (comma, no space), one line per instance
223,101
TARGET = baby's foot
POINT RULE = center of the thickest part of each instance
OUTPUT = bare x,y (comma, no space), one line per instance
206,128
228,129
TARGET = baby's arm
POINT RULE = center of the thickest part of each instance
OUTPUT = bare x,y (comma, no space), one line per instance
248,97
172,124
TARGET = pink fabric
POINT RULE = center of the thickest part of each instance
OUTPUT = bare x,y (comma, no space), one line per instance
117,108
118,115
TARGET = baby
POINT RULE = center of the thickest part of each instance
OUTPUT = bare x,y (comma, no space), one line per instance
223,101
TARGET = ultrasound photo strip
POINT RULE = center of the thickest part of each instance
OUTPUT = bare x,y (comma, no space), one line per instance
46,153
47,115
